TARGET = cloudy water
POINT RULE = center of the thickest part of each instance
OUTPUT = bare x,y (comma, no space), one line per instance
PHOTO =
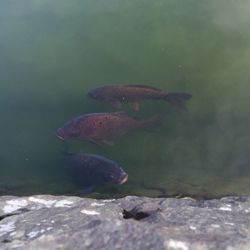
53,52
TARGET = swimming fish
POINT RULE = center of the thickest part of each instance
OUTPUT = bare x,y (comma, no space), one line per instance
133,94
90,170
104,127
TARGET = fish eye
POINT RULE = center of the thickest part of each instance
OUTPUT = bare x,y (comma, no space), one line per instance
93,95
110,177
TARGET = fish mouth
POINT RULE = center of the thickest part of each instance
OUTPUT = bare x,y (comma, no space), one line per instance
92,95
59,136
124,179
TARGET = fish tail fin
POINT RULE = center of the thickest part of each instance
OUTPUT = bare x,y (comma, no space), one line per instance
178,100
152,123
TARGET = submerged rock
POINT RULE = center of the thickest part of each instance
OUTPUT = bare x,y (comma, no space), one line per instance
60,222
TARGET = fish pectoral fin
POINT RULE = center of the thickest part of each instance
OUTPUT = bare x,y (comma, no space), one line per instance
107,142
116,104
120,113
134,105
86,191
101,143
95,142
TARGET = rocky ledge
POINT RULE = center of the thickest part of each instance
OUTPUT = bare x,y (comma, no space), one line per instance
61,222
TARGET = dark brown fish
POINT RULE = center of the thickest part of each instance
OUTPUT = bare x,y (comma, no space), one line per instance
89,170
133,94
104,127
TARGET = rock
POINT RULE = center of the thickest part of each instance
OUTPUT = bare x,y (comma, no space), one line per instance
60,222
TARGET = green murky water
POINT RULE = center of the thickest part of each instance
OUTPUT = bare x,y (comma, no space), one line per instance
53,52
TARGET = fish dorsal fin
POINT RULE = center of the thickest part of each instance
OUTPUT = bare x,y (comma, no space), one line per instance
125,114
120,113
143,86
86,191
134,105
116,104
108,142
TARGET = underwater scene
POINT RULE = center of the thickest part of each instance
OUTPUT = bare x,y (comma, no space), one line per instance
112,98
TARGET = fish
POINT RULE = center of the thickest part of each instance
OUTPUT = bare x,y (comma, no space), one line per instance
103,128
90,170
133,94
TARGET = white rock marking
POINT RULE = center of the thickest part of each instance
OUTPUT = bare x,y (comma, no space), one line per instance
227,208
32,234
7,228
47,203
89,212
118,223
229,223
192,227
95,204
176,244
64,203
13,205
215,225
12,234
108,200
16,244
